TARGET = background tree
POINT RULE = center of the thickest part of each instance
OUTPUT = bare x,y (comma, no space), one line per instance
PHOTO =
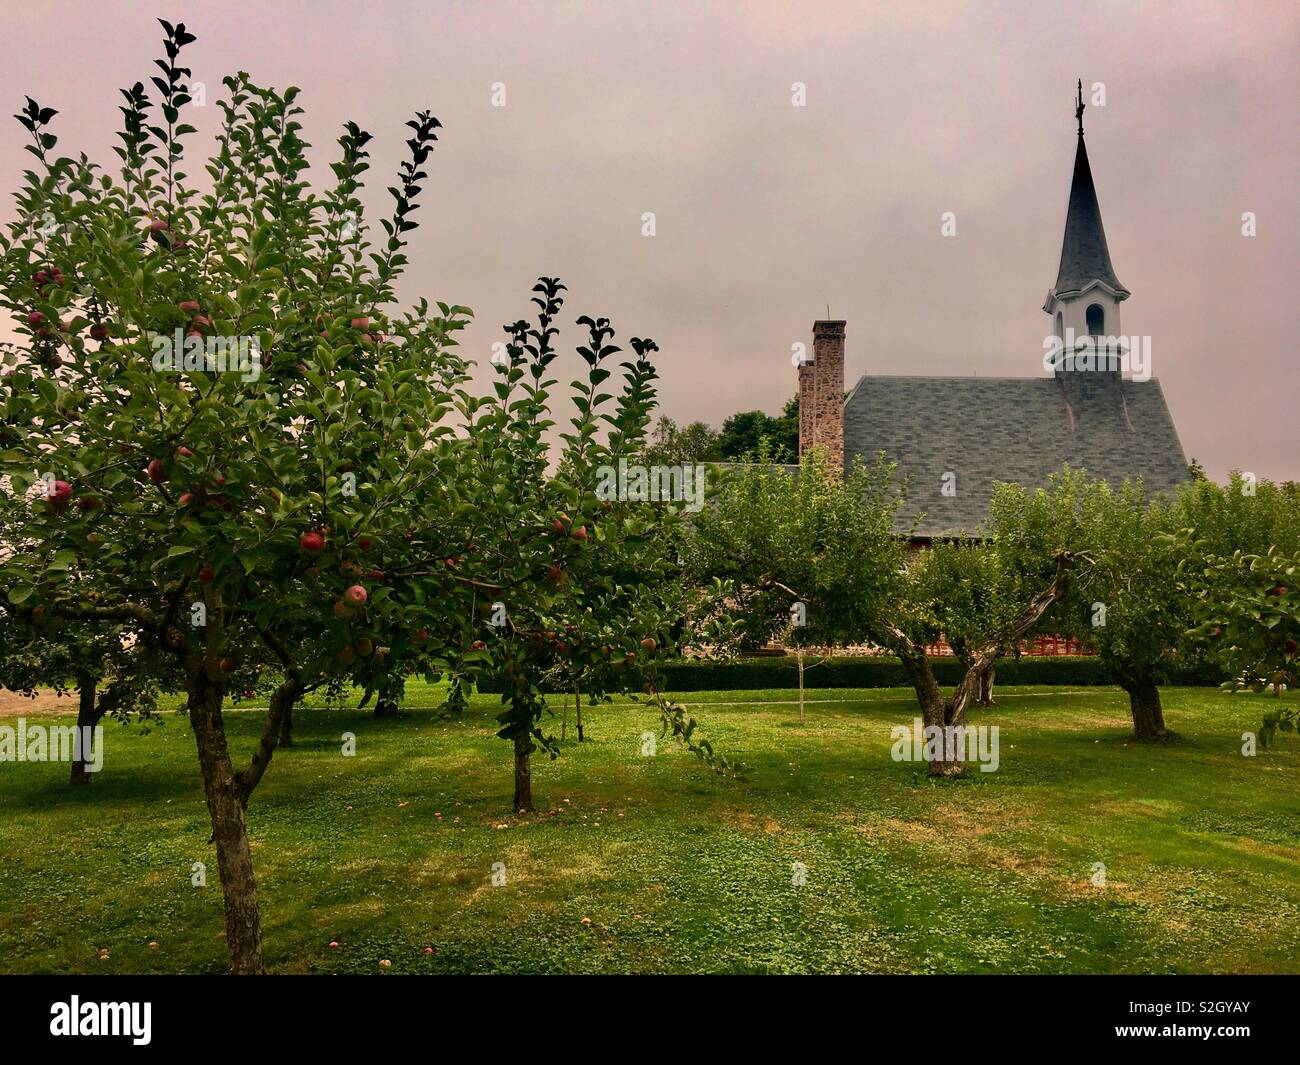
674,445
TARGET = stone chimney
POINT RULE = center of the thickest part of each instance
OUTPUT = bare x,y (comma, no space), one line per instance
821,394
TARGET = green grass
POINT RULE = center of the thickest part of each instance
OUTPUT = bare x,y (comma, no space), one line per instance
677,869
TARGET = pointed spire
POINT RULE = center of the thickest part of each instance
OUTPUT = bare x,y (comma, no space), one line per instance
1084,255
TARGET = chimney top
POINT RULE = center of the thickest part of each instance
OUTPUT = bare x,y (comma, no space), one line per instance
829,328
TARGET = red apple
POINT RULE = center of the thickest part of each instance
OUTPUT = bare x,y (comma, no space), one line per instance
580,533
1290,646
312,541
88,503
156,226
648,644
226,665
156,472
342,610
58,491
477,645
356,595
1279,589
99,331
190,306
206,574
360,323
184,452
35,319
421,636
187,499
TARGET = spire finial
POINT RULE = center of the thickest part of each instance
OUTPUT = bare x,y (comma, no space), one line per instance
1078,108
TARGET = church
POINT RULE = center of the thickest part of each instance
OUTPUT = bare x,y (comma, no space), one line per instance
953,437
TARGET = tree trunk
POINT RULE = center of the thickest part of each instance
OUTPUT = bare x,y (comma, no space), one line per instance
564,723
386,708
523,774
986,687
577,712
286,728
1143,700
229,831
935,710
88,716
800,685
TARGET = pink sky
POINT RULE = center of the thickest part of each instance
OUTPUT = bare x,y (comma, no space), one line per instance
766,213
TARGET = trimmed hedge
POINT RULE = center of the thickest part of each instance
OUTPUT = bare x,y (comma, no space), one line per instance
750,674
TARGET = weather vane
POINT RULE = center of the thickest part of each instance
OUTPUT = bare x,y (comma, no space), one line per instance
1078,108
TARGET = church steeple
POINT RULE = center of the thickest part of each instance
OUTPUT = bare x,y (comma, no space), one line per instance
1085,300
1084,255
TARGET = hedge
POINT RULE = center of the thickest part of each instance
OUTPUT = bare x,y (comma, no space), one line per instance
749,674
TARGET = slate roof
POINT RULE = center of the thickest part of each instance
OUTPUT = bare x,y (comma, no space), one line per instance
1084,255
1008,429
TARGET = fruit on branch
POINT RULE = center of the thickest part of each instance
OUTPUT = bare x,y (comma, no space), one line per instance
648,644
206,574
312,541
156,472
189,306
356,595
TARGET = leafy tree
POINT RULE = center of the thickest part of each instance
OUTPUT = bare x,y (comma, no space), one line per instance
610,594
745,434
830,543
297,497
674,445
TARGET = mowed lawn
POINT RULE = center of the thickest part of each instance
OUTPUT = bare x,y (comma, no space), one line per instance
677,869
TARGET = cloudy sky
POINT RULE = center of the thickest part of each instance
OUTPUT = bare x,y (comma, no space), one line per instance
767,213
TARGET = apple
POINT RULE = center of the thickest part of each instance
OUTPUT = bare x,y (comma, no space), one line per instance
156,226
374,575
477,645
189,306
356,595
365,647
99,331
451,563
365,543
1290,646
42,278
334,944
561,523
201,321
580,533
421,635
187,499
648,644
58,491
342,610
206,574
1279,589
348,655
156,472
226,665
184,452
554,573
350,569
88,503
35,319
312,541
630,657
360,323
